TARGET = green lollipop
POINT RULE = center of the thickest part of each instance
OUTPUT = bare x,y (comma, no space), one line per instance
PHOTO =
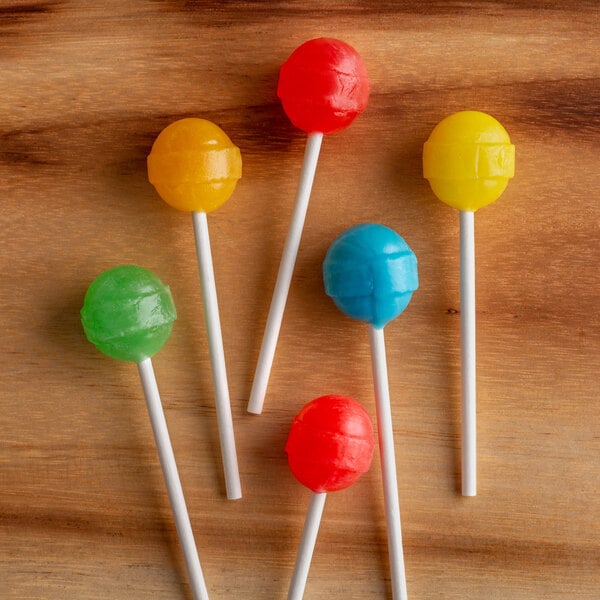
128,314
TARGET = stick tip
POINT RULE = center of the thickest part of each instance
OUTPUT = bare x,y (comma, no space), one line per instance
469,491
255,403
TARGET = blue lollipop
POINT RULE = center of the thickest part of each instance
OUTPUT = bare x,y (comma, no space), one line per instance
370,273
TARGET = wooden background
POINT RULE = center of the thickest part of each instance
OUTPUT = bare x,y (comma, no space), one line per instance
85,87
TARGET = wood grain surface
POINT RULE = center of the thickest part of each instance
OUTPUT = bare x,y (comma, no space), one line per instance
85,87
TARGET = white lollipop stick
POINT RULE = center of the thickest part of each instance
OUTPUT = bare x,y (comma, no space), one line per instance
171,476
467,332
388,463
307,545
217,357
284,276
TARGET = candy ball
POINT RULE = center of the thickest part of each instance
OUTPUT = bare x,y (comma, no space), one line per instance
128,313
370,272
323,86
330,444
194,166
468,160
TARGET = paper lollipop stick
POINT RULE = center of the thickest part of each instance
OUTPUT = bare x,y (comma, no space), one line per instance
371,273
307,545
195,167
468,160
329,447
128,314
323,87
388,462
284,276
468,353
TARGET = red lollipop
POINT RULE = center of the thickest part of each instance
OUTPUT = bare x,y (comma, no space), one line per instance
323,87
330,446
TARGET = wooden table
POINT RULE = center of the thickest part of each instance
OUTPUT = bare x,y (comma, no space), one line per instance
85,88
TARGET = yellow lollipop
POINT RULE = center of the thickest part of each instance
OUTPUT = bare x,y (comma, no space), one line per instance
195,167
468,160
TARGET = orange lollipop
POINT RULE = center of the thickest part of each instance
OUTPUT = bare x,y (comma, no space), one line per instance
195,167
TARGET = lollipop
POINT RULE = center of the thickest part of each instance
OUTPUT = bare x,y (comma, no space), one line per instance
371,273
468,160
128,314
323,87
329,447
195,167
